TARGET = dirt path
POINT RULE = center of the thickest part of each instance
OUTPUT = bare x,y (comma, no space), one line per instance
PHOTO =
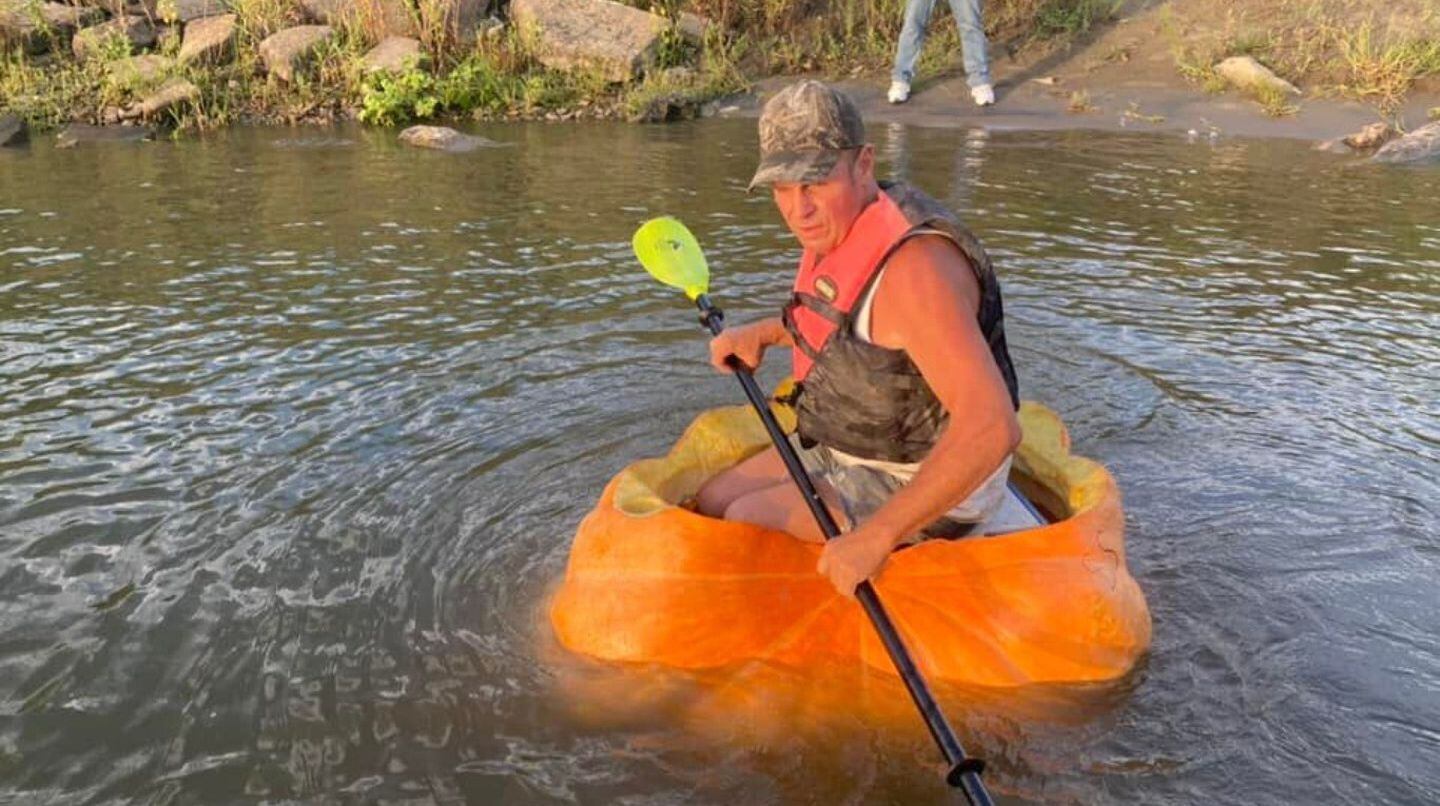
1124,78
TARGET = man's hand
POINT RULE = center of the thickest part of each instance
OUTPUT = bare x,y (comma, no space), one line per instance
746,342
853,558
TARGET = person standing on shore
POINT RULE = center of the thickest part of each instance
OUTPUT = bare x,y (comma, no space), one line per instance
972,44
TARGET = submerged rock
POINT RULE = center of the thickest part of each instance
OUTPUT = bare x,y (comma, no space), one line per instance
1373,136
394,53
443,138
80,133
209,40
617,41
1245,72
12,130
1367,139
1421,145
287,52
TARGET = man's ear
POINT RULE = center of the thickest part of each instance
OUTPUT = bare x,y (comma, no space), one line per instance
865,162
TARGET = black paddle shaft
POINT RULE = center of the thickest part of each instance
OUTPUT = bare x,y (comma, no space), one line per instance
964,772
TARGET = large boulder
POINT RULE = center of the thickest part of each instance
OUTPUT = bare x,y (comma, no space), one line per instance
442,138
35,27
287,52
616,40
377,18
135,28
209,40
1246,73
172,93
1421,145
395,54
462,21
12,130
183,11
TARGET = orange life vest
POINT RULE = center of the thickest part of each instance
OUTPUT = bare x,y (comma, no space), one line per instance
837,280
861,398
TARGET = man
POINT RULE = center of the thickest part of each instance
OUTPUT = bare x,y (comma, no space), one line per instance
972,49
907,396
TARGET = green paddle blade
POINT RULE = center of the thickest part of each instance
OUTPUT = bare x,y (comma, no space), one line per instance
670,253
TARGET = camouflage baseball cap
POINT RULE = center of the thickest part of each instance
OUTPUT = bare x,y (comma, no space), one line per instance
804,129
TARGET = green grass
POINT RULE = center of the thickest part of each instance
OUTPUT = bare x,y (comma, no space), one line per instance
1274,100
1384,70
1068,18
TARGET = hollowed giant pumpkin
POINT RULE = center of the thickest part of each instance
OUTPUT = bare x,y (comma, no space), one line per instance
649,581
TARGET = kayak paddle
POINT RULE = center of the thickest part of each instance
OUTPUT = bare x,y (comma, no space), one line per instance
671,255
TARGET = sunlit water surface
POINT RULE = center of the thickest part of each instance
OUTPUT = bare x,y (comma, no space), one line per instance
296,426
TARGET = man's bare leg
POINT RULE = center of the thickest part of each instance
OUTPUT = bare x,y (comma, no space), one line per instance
762,470
759,490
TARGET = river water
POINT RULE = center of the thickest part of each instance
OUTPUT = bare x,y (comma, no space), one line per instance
296,425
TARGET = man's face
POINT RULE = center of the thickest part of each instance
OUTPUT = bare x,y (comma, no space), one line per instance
821,213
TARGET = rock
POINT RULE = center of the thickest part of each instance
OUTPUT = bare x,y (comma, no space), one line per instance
183,11
443,138
615,40
1244,72
12,130
464,21
377,18
172,93
1372,136
89,42
209,40
395,53
66,18
139,70
1421,145
694,26
79,133
286,52
36,27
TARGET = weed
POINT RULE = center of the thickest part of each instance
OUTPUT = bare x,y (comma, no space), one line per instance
1250,43
1134,113
391,99
1079,103
1383,70
1072,17
1275,100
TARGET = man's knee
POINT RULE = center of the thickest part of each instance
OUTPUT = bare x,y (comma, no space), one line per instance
754,509
712,500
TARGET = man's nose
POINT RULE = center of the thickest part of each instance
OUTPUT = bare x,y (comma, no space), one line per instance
801,203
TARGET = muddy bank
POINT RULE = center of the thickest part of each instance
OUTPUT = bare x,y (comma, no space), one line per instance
1133,64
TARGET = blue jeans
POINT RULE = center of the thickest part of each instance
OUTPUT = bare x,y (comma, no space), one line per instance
972,40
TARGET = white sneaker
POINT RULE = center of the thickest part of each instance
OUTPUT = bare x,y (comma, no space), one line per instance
899,92
984,94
